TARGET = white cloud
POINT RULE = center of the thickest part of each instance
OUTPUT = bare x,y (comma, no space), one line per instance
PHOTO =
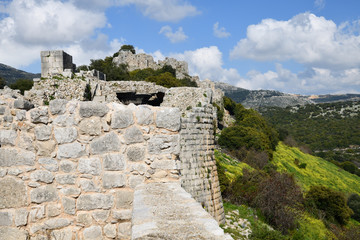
174,37
206,63
163,10
320,4
35,25
311,81
306,38
220,32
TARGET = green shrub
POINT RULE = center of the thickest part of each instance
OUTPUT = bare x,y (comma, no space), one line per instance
2,83
229,105
128,48
354,203
22,85
330,203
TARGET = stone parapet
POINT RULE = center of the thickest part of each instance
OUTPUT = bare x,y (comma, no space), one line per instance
167,211
69,170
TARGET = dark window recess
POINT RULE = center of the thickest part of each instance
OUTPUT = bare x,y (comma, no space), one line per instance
150,99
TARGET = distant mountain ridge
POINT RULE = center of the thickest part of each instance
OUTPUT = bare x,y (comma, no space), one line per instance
271,98
11,74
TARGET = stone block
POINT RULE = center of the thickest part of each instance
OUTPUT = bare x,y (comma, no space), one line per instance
21,115
43,133
21,216
93,233
122,119
101,216
124,230
39,115
55,223
136,154
71,150
23,104
71,191
122,214
110,230
114,162
7,137
84,219
95,201
65,135
62,234
42,176
37,213
45,148
9,233
69,205
108,143
58,106
6,219
90,166
135,180
64,179
64,121
53,210
26,141
160,144
49,164
89,109
10,157
67,166
133,135
2,110
88,186
124,198
144,115
169,118
90,126
13,193
164,164
113,180
44,194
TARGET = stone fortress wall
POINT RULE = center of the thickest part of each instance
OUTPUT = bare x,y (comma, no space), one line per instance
70,169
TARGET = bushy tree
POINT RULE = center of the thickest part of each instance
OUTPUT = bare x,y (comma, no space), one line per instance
2,83
22,85
278,198
330,203
354,203
229,105
164,79
112,71
128,48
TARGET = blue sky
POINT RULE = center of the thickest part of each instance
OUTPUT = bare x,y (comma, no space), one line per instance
299,46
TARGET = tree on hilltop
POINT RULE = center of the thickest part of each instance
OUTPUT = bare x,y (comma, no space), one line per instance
128,48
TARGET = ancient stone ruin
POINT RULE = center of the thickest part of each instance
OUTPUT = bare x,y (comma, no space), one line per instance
101,169
142,61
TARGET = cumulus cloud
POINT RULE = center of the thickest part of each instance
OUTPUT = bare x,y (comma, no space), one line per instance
163,10
307,39
34,25
206,63
220,32
310,81
174,37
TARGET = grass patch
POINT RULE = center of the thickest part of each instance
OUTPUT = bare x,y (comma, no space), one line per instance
233,167
317,172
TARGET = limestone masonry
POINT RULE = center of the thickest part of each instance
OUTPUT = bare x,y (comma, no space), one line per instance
135,162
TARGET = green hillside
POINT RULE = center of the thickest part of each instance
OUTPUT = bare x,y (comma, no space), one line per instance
317,171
